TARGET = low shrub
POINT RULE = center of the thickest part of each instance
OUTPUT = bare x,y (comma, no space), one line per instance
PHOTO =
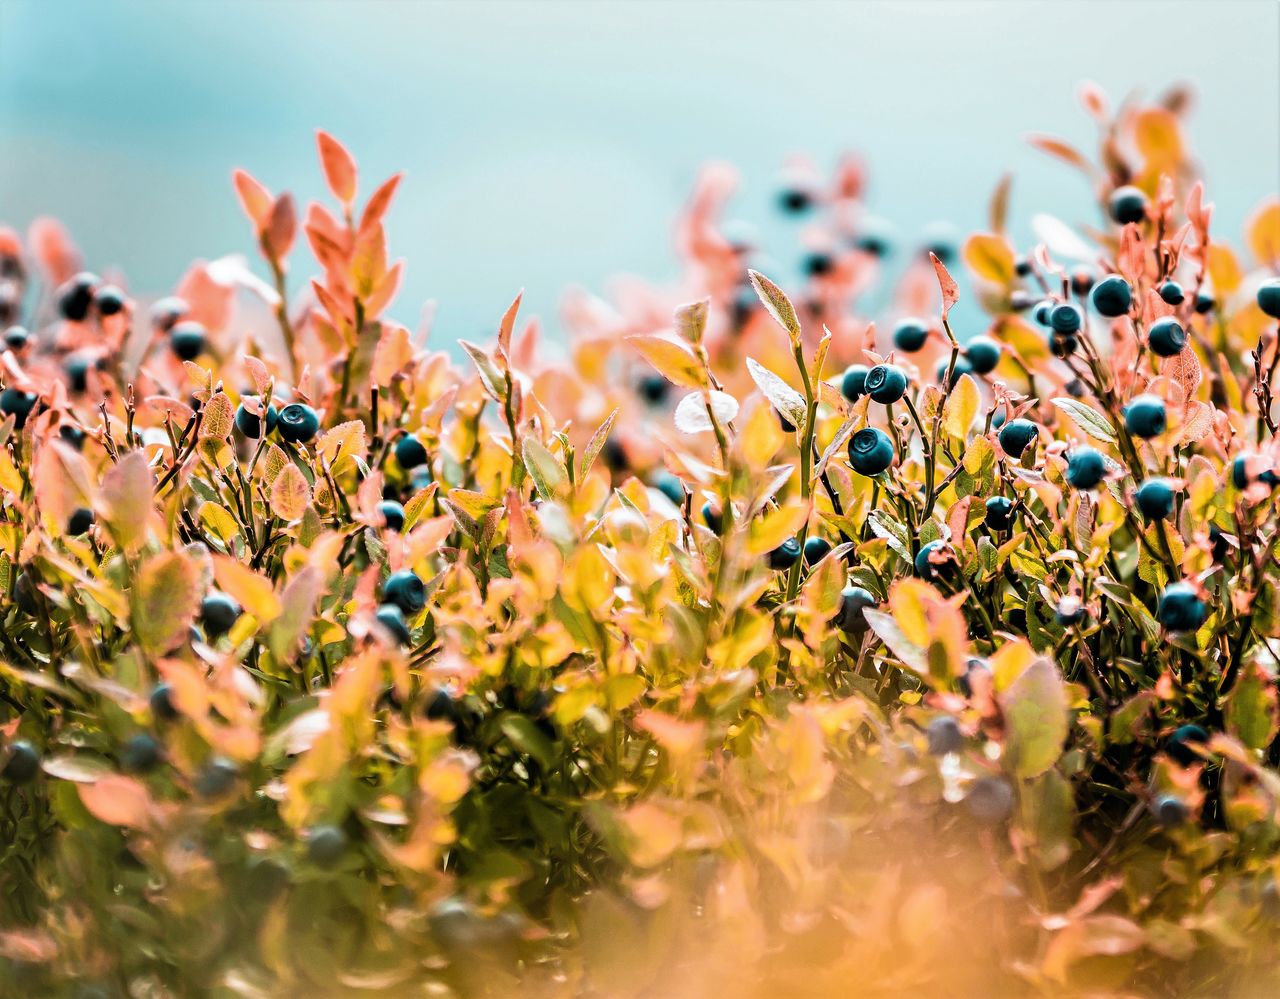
738,647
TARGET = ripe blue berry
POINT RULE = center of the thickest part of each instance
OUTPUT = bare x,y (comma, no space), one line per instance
1066,319
1155,499
22,764
392,514
1172,293
653,388
1044,312
1183,737
795,200
910,335
1145,416
298,423
16,337
1085,467
218,612
80,521
1269,298
1127,204
216,778
961,367
75,296
1205,303
1170,812
392,618
944,736
110,300
870,451
785,555
816,549
410,453
854,383
999,513
77,371
886,383
250,424
1180,608
1016,435
1112,296
990,800
161,702
670,486
983,354
405,590
1081,281
18,404
853,601
168,311
1022,267
1166,337
325,845
140,754
925,566
187,340
711,516
1062,346
818,264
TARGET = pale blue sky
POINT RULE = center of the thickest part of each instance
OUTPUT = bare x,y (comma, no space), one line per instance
551,143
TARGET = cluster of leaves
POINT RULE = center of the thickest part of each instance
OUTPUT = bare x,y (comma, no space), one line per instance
733,649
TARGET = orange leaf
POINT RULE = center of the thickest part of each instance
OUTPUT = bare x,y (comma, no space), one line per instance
339,167
282,226
950,290
254,199
379,202
290,493
118,801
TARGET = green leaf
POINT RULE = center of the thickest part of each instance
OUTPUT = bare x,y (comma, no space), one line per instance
1088,419
525,736
595,445
547,473
165,599
1035,713
490,376
909,654
1251,708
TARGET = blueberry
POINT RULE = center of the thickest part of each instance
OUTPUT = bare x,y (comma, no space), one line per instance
391,617
25,593
250,424
23,763
816,549
216,778
1112,296
990,800
1269,298
392,514
1070,611
325,845
944,736
854,383
1180,608
795,200
711,516
653,389
1240,471
962,367
405,590
671,486
1016,435
870,451
1022,267
168,311
218,612
187,339
110,300
80,521
1085,467
1066,319
1181,741
1172,293
853,601
161,702
818,264
614,455
75,296
886,383
1170,812
73,436
1166,337
18,404
1145,416
910,335
787,425
1044,312
140,754
925,567
983,354
441,706
16,337
1081,281
1155,499
1205,303
298,423
76,369
785,555
1062,346
745,303
1127,204
999,513
410,453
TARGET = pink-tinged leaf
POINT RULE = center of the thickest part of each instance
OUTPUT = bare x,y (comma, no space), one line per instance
255,199
62,483
52,247
950,290
379,202
298,603
339,310
1093,100
508,323
385,292
259,373
126,500
282,227
219,417
290,493
392,355
369,260
118,801
777,305
1132,258
339,167
1184,368
1062,150
998,211
164,598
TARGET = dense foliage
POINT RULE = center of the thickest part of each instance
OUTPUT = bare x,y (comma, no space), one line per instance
740,647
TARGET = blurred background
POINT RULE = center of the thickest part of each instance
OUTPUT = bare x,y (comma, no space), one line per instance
549,144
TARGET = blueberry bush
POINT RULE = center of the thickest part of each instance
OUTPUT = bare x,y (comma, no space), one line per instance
731,645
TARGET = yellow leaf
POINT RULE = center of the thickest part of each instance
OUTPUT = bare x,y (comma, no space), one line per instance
1224,269
219,417
1158,137
127,498
1263,232
1009,661
218,521
254,593
165,598
290,493
344,440
961,407
770,530
673,360
990,258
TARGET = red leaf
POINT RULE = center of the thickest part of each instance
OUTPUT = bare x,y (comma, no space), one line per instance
339,167
379,202
255,199
950,290
282,226
508,324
